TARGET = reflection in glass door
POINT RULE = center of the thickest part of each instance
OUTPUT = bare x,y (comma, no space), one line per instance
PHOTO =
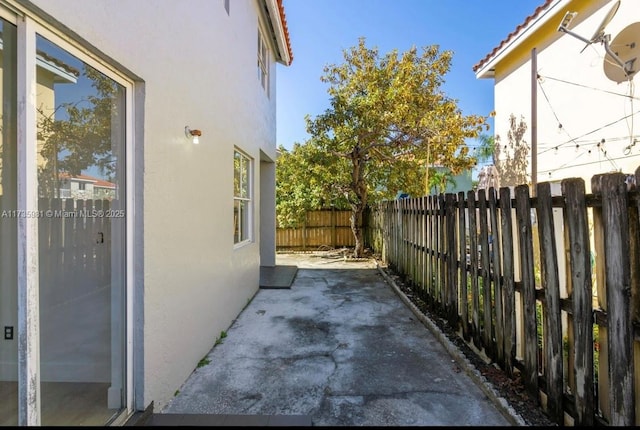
80,163
8,228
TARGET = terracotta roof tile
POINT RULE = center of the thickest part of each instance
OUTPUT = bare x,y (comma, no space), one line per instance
283,18
511,35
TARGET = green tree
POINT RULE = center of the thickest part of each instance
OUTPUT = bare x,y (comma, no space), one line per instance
303,183
486,150
439,179
388,120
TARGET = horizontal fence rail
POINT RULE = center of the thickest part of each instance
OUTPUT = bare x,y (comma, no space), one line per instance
547,287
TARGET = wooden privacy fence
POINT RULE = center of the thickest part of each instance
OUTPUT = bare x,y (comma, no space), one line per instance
321,228
546,286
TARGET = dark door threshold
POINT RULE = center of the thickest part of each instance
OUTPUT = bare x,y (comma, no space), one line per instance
213,420
277,277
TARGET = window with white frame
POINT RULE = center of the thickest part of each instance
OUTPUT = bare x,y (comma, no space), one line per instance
242,172
263,62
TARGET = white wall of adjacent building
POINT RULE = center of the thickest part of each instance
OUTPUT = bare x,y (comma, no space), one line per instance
575,92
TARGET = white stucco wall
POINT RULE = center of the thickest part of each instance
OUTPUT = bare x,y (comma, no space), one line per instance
198,65
583,104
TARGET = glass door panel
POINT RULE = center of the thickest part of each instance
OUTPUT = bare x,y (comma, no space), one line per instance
81,172
8,228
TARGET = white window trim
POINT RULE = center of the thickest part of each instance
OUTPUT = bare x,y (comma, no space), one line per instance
250,215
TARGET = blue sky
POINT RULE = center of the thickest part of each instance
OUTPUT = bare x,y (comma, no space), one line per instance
321,29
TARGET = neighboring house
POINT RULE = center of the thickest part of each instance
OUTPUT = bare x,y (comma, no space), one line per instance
85,187
454,183
108,312
583,114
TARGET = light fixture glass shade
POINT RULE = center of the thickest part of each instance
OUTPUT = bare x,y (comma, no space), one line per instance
194,135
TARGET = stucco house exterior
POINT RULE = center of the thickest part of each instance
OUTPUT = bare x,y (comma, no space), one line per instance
562,97
106,311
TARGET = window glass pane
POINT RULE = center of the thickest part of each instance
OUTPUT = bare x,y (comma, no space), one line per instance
236,221
242,197
237,161
82,258
244,220
244,174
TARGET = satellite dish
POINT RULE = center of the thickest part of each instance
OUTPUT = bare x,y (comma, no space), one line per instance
607,19
626,47
599,35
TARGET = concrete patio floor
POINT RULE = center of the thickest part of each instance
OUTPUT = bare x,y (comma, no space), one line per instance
339,348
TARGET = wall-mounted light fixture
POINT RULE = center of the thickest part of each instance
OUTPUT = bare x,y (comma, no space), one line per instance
194,135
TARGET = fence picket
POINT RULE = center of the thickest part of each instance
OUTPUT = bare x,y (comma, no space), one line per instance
616,249
462,265
473,258
485,266
508,285
496,269
523,216
580,291
451,261
552,324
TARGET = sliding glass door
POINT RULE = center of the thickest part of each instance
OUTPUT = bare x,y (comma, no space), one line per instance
73,271
80,164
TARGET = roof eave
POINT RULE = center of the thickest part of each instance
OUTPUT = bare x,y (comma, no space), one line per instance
276,15
487,70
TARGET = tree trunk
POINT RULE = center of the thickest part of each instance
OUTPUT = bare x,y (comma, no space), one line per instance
359,188
356,228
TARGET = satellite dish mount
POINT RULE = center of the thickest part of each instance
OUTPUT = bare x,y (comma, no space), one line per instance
600,37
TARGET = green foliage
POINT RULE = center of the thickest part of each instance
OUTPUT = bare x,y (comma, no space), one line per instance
223,334
388,120
439,179
486,150
304,182
203,362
